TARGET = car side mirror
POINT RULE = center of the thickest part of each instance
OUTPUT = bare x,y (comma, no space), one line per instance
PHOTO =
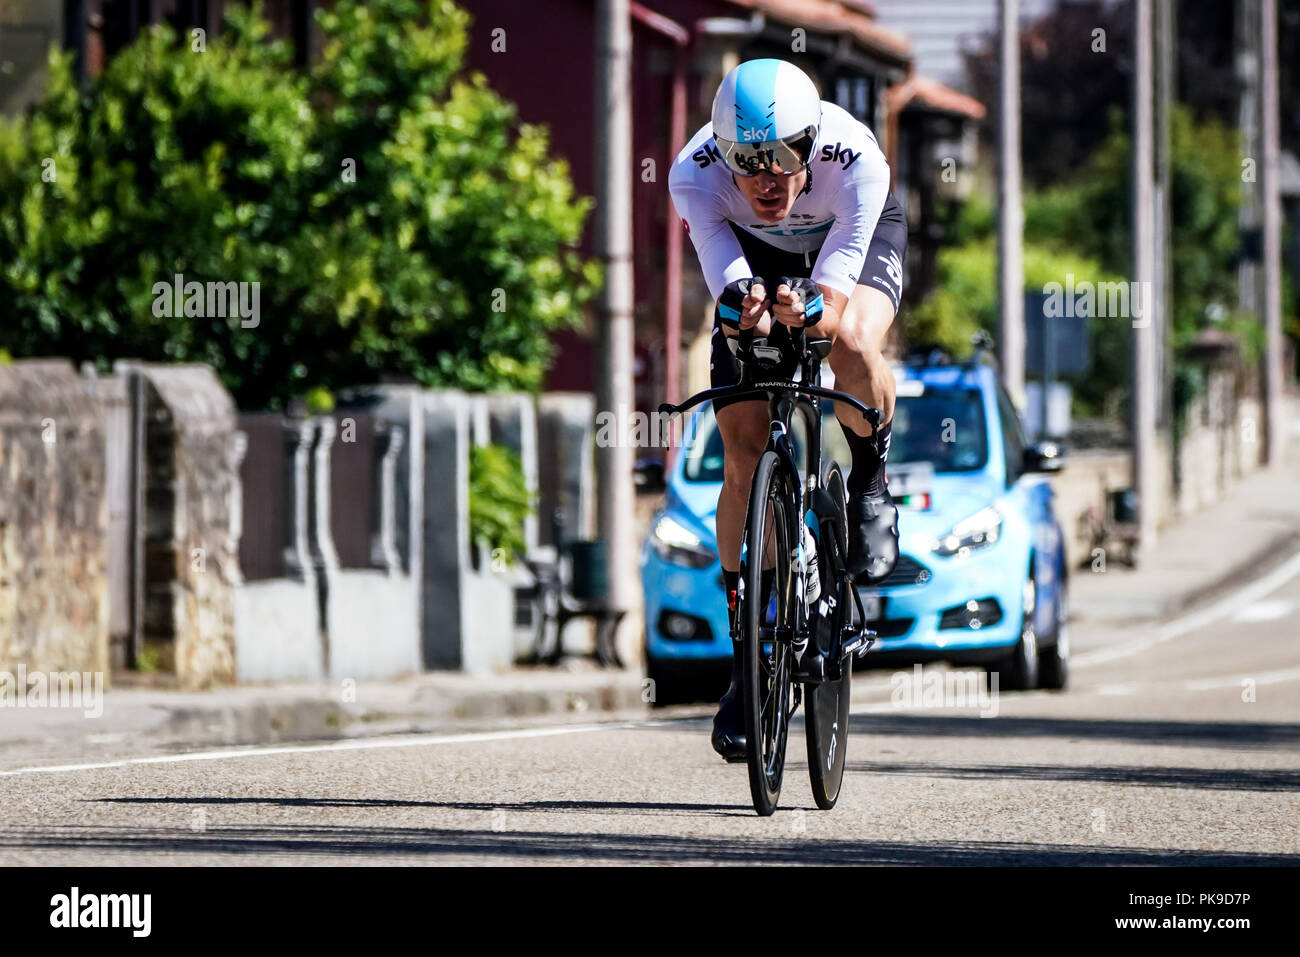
648,475
1044,457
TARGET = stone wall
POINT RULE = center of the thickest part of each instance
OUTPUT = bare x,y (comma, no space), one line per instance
53,520
191,533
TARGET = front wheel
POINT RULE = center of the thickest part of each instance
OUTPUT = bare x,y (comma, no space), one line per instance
1019,670
1054,661
826,708
767,660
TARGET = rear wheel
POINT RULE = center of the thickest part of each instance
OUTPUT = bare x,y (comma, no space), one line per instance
767,661
826,712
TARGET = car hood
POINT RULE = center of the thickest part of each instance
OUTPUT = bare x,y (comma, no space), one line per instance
953,497
695,505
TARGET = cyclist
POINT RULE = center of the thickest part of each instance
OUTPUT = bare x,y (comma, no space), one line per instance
782,184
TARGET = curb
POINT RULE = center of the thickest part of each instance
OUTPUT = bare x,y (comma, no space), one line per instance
272,721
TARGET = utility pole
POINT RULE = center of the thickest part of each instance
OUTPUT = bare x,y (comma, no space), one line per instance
1011,278
1146,465
615,501
1246,42
74,37
1274,428
1166,36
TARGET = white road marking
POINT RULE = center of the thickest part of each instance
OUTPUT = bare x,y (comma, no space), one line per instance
1197,619
1265,611
391,741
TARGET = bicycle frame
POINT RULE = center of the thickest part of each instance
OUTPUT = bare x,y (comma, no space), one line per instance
785,398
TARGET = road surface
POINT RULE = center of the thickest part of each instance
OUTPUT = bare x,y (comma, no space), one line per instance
1177,744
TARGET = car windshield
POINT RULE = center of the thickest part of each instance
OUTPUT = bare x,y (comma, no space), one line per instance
944,427
704,450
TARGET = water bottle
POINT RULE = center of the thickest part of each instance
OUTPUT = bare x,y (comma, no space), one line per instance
808,566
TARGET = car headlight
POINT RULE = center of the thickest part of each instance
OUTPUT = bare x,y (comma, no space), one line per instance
981,529
675,543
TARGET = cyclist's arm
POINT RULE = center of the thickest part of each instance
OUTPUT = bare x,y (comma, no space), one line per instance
721,259
858,205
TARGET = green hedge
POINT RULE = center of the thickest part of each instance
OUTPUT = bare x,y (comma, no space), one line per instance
397,217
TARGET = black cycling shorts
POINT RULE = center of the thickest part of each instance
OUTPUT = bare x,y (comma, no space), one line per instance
882,270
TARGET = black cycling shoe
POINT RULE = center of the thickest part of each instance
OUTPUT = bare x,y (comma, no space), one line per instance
728,726
873,537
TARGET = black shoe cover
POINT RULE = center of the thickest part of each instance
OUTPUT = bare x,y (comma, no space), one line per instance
873,537
728,725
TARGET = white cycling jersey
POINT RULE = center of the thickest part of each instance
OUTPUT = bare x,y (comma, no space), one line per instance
838,214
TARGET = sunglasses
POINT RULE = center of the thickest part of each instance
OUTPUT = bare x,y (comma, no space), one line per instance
778,157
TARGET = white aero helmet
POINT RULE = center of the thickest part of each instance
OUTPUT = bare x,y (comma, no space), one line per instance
765,117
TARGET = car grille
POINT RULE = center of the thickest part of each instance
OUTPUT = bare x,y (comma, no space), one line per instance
679,626
908,571
986,613
891,627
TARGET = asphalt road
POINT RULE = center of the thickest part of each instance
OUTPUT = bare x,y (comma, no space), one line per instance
1177,744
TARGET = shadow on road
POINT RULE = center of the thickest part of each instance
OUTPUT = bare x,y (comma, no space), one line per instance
1198,734
614,806
611,848
1212,779
1235,735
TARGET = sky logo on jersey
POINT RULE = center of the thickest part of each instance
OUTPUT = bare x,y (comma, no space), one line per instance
706,154
840,154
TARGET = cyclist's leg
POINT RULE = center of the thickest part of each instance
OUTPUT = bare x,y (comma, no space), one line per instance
743,425
744,428
857,359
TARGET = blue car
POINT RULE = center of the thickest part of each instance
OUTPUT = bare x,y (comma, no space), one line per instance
982,574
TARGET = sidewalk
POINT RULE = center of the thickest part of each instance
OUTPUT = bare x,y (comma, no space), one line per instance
1205,554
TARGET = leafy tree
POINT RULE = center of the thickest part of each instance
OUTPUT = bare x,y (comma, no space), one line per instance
1083,227
966,301
1069,84
396,216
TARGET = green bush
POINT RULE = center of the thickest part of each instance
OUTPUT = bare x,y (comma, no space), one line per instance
498,500
396,216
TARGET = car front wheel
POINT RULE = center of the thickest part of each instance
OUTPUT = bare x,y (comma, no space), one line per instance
1054,661
1019,670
